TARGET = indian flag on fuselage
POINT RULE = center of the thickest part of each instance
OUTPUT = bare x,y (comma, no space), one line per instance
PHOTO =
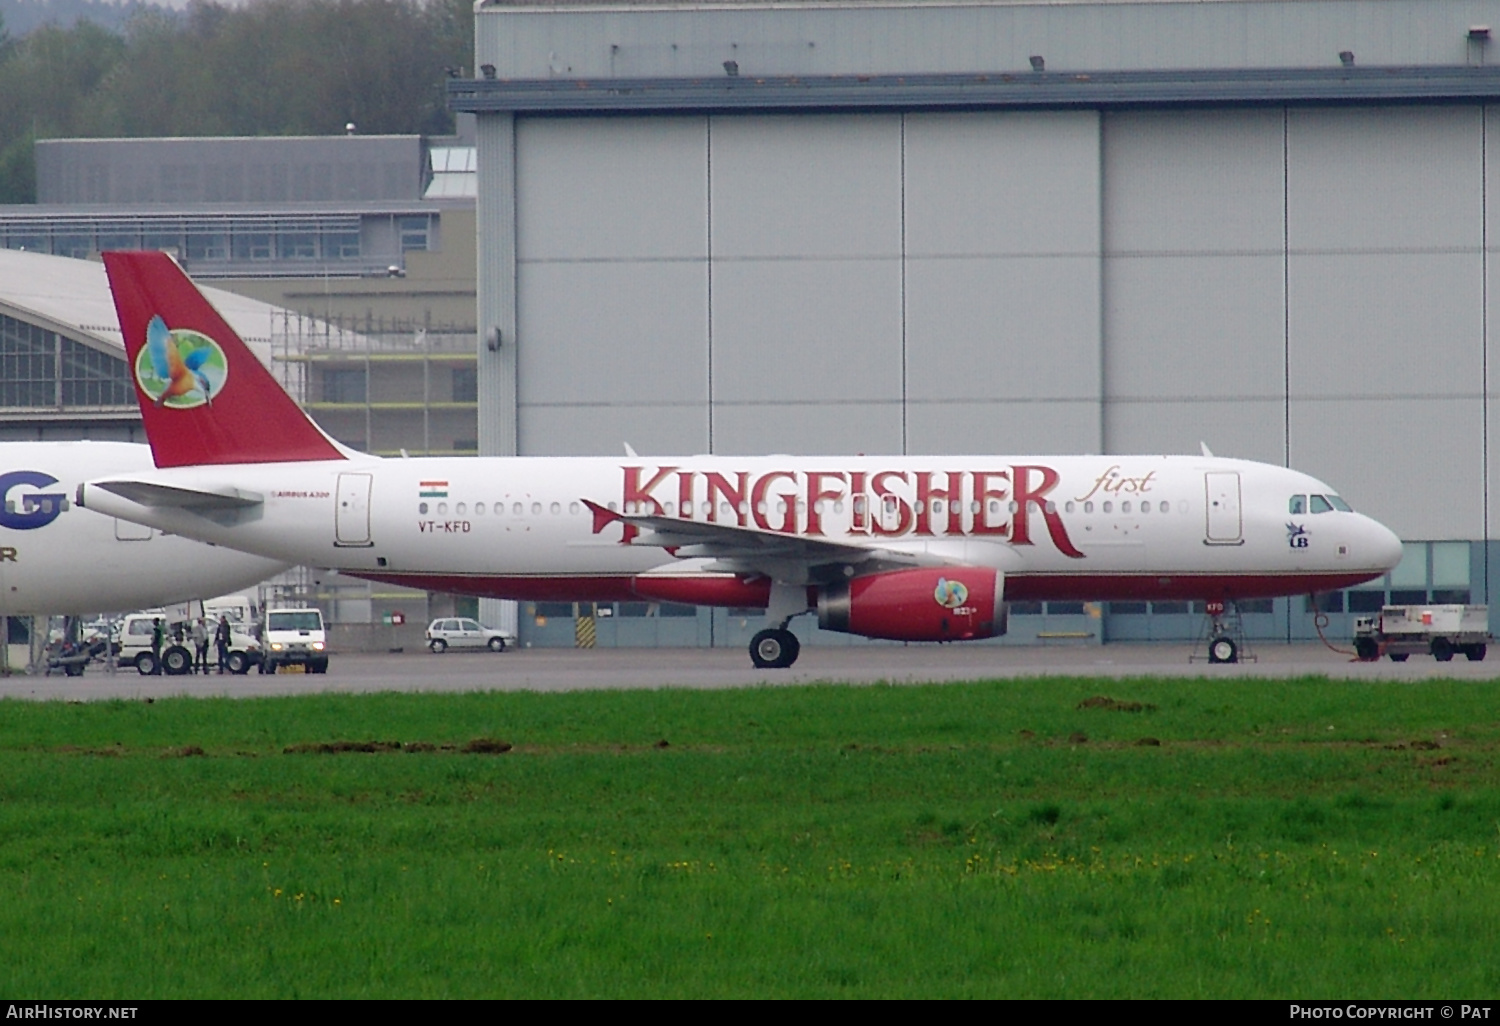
432,489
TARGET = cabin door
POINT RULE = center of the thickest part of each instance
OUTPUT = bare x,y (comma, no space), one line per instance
1226,525
351,517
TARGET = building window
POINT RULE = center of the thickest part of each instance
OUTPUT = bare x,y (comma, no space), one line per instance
117,241
252,246
1450,568
76,246
28,364
465,384
1324,602
341,246
168,241
344,385
31,242
413,232
93,378
207,246
298,246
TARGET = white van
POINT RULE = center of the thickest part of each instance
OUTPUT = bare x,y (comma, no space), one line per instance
177,657
295,636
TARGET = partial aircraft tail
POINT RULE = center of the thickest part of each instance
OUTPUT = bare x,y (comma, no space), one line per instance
204,396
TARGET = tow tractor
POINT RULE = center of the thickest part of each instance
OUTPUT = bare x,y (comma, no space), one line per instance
1441,630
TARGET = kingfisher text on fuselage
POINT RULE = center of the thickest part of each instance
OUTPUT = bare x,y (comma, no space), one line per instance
1001,503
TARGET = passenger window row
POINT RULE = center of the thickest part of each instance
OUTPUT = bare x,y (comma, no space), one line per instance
517,509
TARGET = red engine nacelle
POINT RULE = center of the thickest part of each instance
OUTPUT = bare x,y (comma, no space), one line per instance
944,604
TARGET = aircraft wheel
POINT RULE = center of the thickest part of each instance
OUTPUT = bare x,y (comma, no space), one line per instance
1442,649
438,646
1474,653
497,644
238,663
76,669
1223,650
145,664
1366,649
317,666
774,648
1399,657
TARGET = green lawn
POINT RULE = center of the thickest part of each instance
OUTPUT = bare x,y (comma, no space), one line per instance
1300,838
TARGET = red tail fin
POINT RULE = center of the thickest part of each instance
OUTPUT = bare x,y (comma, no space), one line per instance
204,395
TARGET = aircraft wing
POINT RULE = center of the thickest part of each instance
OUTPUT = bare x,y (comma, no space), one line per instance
782,557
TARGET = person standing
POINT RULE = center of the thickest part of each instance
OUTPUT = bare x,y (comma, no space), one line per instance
200,646
158,636
221,639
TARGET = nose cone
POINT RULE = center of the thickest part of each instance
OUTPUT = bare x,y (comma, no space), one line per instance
1382,547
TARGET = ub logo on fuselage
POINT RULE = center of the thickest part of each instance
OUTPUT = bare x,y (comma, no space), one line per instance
180,368
1296,536
29,511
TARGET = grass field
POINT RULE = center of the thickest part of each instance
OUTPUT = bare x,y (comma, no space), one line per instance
1296,838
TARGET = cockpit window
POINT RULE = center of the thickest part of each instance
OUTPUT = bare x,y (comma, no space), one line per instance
1340,505
1298,505
1320,504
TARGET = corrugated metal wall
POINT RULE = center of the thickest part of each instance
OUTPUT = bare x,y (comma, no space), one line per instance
809,284
1302,285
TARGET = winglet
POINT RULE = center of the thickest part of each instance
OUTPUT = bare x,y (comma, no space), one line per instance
224,407
630,451
1204,447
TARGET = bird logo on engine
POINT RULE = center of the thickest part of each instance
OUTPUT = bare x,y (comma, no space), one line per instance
950,594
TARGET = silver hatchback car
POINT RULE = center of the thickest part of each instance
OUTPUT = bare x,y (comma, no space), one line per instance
461,632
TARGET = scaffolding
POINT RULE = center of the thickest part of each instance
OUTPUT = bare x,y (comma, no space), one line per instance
383,385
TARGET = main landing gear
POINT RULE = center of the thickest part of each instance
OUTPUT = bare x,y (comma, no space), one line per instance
774,648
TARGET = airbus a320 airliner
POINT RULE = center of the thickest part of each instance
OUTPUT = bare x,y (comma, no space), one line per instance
913,548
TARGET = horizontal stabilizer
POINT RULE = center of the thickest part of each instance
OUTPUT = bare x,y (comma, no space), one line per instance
149,493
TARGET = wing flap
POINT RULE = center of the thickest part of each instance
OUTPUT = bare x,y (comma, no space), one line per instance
749,550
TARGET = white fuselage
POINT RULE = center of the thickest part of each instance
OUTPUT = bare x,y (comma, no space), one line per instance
1059,527
55,558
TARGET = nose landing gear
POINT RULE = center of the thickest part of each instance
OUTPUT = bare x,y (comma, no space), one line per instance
1224,632
1222,649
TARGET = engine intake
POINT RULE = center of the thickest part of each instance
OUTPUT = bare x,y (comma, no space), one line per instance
943,604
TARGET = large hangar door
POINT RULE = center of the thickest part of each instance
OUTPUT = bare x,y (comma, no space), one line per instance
612,285
807,292
1002,246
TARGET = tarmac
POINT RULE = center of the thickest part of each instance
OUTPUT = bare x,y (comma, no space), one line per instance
574,670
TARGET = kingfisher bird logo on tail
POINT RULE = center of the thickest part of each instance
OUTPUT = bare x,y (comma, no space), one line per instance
205,397
182,368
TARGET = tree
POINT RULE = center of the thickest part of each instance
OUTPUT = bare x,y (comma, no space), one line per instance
270,67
